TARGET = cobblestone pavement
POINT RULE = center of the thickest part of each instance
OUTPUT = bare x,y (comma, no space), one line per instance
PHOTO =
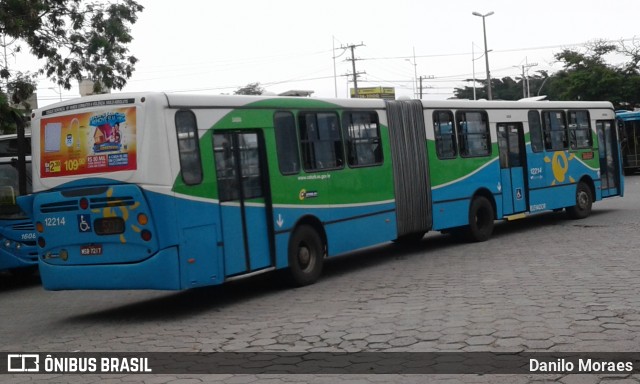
544,283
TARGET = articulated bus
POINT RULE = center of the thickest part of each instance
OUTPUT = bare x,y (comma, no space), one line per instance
172,191
18,253
629,128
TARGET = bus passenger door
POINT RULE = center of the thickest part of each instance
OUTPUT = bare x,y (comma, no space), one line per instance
609,158
245,202
512,167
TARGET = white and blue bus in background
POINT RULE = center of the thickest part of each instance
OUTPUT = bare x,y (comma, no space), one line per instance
18,253
629,129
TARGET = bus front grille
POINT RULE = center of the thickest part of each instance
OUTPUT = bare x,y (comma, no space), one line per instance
23,227
61,206
104,202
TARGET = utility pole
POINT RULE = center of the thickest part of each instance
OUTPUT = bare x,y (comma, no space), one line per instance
423,77
355,74
526,92
527,66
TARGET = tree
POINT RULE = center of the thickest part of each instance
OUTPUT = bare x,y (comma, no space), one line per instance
587,76
502,89
250,89
76,39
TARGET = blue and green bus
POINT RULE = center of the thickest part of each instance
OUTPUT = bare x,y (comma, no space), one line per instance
174,191
18,253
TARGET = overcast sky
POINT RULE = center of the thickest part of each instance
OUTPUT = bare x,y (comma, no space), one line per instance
216,47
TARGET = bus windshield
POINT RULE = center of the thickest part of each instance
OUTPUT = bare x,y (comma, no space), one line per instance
9,190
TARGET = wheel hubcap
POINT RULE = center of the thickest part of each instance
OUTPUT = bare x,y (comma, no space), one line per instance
583,200
304,257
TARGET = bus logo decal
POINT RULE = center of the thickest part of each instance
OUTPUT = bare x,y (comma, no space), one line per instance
304,194
560,166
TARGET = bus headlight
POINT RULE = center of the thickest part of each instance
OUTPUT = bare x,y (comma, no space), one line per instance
7,243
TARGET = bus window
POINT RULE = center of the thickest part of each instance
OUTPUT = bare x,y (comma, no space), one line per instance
250,165
9,147
535,129
286,143
555,130
362,132
445,135
188,147
320,141
237,165
228,188
9,189
580,130
473,133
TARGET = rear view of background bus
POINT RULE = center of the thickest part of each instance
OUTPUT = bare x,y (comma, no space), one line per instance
18,253
629,128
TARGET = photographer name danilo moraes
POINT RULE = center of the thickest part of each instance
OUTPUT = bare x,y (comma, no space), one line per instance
582,366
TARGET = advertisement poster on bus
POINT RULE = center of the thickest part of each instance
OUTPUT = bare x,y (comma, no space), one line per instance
90,142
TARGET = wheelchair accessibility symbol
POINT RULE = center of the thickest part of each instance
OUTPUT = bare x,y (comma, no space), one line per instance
84,223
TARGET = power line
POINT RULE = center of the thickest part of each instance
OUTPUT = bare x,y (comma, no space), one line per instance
496,50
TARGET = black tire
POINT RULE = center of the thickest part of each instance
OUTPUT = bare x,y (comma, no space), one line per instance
584,201
306,256
481,219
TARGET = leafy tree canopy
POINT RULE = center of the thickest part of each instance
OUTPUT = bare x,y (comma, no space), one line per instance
586,75
75,39
250,89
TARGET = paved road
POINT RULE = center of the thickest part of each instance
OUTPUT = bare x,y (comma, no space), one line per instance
545,283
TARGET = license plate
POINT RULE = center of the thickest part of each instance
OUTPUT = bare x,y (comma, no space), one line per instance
91,250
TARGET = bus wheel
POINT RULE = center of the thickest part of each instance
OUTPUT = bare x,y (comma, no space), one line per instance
306,256
584,200
480,220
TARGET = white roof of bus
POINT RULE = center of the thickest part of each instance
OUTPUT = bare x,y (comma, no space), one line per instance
231,101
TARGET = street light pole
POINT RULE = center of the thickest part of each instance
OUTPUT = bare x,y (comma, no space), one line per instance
415,72
486,51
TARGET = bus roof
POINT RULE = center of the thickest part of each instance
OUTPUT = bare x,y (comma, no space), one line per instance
178,100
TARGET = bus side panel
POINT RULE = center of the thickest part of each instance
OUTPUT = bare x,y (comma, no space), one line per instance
450,214
451,201
346,236
552,198
347,228
199,254
282,249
